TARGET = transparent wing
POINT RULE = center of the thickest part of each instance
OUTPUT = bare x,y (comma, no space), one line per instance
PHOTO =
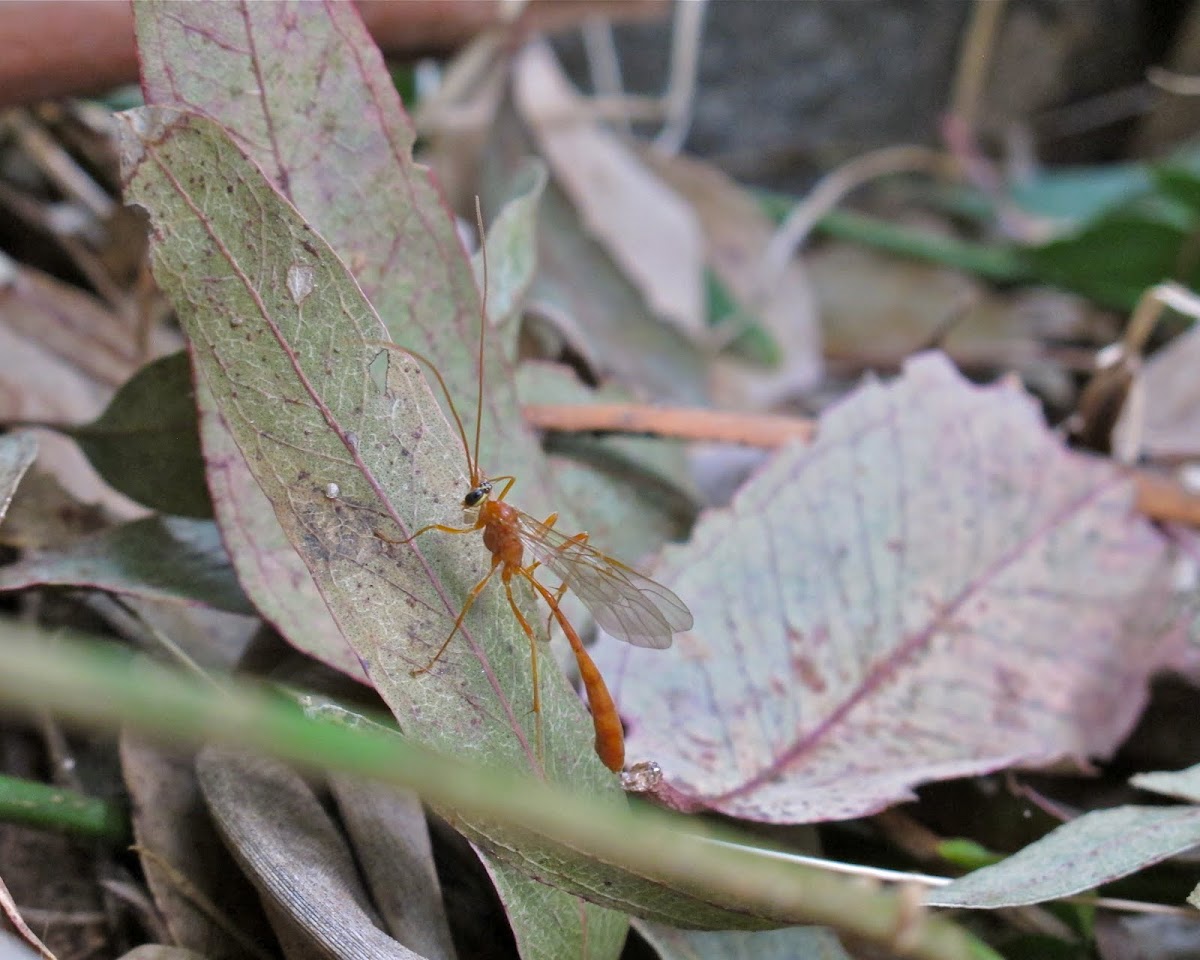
625,604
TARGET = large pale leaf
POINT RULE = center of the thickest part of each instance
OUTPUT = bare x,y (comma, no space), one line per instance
312,404
1095,848
935,588
306,93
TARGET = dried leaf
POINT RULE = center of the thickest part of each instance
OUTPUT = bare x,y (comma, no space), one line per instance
44,514
17,452
294,855
1167,421
583,294
37,385
391,845
876,308
935,588
76,328
12,915
167,558
1093,849
1180,784
640,221
176,839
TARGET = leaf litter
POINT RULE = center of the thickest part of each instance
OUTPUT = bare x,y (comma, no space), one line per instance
936,588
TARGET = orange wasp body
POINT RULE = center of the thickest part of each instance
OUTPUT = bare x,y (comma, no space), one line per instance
624,603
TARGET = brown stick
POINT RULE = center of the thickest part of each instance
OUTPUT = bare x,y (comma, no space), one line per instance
1158,497
1161,498
753,429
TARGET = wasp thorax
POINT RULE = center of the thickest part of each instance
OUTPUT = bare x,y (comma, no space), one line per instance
477,494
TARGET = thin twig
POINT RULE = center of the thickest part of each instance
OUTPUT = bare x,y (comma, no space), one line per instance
751,429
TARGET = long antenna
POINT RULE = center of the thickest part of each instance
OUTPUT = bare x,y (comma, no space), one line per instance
483,324
430,367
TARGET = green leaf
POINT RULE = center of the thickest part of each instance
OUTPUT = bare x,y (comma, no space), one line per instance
1080,194
146,443
1180,184
1114,259
967,853
754,343
791,943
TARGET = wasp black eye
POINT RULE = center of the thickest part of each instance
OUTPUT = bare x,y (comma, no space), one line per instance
477,494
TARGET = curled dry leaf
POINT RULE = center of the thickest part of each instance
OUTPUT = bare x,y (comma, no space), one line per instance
295,856
213,908
17,452
935,588
642,223
390,838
